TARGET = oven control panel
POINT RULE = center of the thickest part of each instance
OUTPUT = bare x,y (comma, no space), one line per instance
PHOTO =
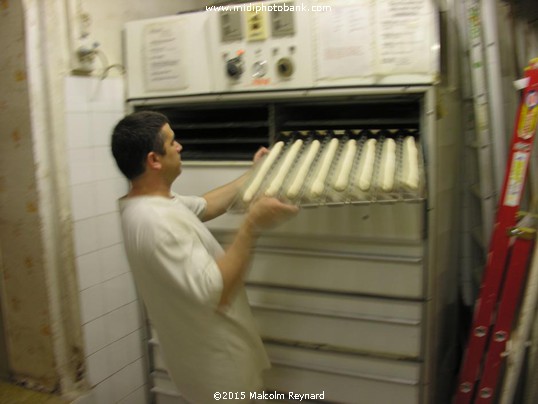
261,46
283,45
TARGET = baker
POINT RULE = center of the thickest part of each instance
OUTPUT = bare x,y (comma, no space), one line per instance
192,289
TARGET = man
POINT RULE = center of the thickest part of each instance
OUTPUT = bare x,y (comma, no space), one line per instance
192,289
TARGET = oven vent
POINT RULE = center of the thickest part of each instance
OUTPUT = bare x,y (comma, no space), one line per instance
218,133
234,130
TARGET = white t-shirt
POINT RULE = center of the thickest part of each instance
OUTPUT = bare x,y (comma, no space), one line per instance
172,257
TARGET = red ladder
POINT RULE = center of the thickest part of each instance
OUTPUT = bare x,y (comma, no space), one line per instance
494,271
511,296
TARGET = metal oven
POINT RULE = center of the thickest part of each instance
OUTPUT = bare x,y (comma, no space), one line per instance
355,297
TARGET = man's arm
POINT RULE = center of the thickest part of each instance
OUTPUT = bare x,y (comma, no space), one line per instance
263,214
220,199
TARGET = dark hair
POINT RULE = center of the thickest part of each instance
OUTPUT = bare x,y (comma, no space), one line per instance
134,137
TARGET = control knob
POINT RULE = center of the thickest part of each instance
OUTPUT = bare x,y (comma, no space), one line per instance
259,69
234,68
284,67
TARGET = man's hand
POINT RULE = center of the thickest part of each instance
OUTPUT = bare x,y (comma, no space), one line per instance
266,213
262,151
263,214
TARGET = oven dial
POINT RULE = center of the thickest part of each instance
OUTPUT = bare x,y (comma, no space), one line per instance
234,67
259,69
284,67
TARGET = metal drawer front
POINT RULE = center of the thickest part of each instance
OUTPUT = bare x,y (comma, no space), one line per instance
389,222
337,305
340,388
373,326
344,363
356,273
364,336
395,222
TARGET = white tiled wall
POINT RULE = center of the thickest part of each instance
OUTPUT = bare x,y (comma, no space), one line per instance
109,309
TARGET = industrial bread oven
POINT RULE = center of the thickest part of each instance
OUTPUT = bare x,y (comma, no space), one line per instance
355,297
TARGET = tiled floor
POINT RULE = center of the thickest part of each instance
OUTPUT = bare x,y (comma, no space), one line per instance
11,394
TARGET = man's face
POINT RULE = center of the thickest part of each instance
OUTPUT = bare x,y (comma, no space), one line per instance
171,160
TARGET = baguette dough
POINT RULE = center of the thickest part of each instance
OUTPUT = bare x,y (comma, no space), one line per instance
260,175
366,165
388,164
410,163
319,183
300,177
284,169
347,163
